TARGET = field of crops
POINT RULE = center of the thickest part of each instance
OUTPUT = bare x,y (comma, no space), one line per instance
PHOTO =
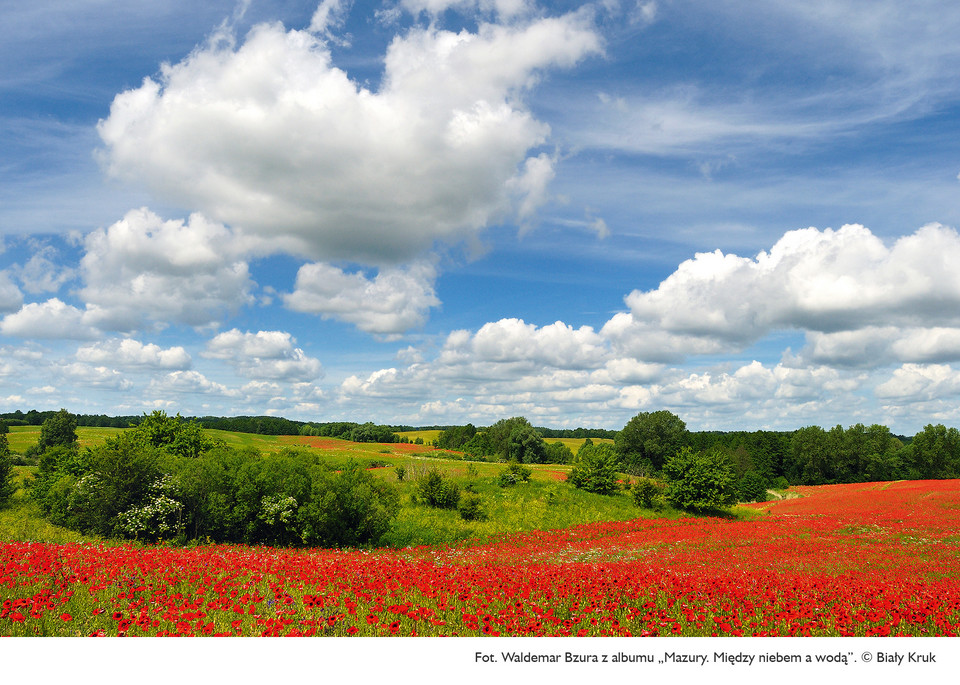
846,560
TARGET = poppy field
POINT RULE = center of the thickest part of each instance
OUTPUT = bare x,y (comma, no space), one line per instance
843,560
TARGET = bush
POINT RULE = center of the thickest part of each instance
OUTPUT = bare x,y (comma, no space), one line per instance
348,509
471,508
595,470
648,494
700,481
435,490
752,488
513,474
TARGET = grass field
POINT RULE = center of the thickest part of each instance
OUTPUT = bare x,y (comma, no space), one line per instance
545,502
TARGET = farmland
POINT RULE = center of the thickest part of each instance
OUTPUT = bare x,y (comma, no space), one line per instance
841,560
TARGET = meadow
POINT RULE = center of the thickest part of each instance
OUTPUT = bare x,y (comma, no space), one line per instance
871,559
849,560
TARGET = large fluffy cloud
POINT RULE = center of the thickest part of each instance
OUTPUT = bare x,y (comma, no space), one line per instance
143,269
264,355
133,353
395,300
269,136
51,319
846,288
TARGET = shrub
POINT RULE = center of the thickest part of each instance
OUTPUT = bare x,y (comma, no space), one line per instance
401,473
435,490
471,508
595,470
648,494
699,481
752,488
513,474
347,509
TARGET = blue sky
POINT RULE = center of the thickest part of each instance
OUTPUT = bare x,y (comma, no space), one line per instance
438,211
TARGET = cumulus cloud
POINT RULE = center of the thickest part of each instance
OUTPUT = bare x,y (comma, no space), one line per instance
40,274
190,382
833,284
96,376
513,340
392,302
920,382
264,355
10,296
145,269
51,319
132,353
270,137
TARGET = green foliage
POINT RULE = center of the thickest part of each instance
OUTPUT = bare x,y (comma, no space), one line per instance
595,469
436,490
347,509
699,481
471,508
935,452
7,486
171,434
513,474
648,494
455,437
558,453
525,445
60,429
401,472
751,487
648,439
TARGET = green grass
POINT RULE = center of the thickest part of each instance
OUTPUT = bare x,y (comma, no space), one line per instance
22,437
545,502
427,436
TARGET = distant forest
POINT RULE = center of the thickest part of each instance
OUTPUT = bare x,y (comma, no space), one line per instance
275,425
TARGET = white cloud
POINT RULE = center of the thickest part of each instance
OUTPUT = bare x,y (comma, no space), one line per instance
51,319
190,382
920,382
824,282
264,355
512,340
11,298
40,274
96,377
132,353
505,8
395,300
144,269
272,138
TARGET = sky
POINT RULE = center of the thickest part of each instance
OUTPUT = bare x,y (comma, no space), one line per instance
434,212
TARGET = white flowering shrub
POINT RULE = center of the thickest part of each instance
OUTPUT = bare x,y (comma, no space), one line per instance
160,517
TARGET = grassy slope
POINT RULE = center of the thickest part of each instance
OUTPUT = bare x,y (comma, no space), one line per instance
544,503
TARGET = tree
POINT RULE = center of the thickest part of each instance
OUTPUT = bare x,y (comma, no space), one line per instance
558,453
7,486
526,446
936,452
700,481
595,469
648,440
347,509
59,429
171,434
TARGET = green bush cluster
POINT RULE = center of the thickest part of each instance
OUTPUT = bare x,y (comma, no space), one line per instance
436,490
513,474
143,487
595,469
